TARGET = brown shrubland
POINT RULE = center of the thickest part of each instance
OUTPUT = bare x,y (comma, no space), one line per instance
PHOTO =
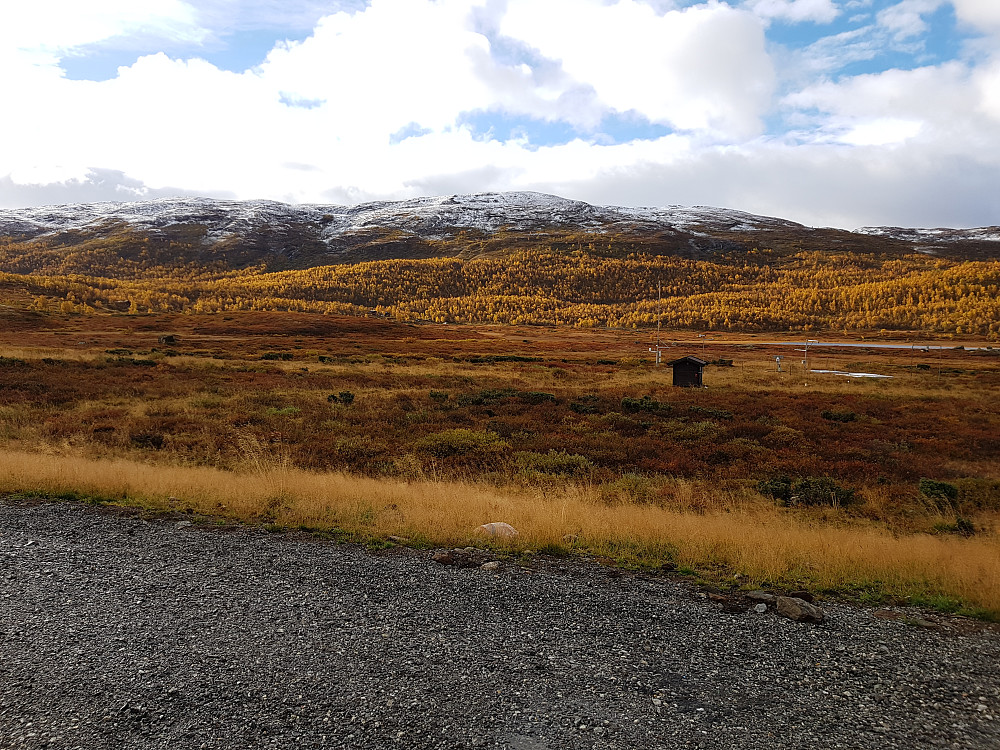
556,431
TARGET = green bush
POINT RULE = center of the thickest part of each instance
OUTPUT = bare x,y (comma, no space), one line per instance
461,442
839,416
962,526
486,397
938,490
646,403
808,491
538,397
778,488
586,404
284,356
439,396
553,462
344,397
820,491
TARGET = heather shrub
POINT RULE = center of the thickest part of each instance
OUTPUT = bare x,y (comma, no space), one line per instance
554,462
978,494
938,490
839,416
460,442
486,396
586,404
538,397
646,403
820,491
808,491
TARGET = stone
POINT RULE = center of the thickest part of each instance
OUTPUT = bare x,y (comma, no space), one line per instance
182,524
803,595
497,529
760,608
443,558
799,610
491,566
761,596
718,598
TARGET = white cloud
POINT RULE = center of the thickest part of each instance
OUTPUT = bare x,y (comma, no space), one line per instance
905,20
314,122
796,11
981,14
377,75
884,131
704,67
53,26
987,82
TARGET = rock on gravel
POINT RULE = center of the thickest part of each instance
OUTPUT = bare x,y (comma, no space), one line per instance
798,609
120,634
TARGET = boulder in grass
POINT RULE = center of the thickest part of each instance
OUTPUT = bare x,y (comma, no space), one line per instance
498,530
799,610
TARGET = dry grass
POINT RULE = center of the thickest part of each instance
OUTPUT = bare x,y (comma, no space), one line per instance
761,544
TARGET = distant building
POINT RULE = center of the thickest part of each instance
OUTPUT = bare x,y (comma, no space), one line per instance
688,371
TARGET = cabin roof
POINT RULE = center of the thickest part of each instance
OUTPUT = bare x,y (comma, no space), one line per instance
688,360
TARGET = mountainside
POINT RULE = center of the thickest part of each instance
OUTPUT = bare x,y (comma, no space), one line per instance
500,258
237,234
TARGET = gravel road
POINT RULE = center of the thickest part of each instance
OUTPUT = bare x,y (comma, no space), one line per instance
117,632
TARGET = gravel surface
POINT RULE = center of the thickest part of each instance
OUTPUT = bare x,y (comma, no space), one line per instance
117,632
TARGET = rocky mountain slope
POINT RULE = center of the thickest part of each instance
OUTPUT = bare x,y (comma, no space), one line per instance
246,232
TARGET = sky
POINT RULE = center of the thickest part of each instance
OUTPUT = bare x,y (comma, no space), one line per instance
842,113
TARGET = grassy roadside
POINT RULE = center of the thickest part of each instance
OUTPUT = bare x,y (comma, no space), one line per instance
753,544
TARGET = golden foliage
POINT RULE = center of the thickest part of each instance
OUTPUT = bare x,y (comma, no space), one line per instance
804,291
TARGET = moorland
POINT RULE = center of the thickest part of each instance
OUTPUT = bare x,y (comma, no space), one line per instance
412,381
364,428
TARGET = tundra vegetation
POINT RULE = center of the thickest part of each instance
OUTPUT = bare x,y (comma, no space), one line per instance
571,278
366,428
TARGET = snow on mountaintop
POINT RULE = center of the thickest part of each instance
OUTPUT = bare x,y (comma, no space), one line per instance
486,212
980,234
429,218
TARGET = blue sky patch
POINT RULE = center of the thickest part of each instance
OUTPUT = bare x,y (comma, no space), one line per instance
290,100
614,128
236,52
413,130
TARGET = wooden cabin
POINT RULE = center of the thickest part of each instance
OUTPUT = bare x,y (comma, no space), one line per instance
688,371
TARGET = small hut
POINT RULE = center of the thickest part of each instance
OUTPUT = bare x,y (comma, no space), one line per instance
688,371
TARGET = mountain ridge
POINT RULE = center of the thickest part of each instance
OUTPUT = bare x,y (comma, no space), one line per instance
245,233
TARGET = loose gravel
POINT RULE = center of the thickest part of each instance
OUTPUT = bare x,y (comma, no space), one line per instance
118,632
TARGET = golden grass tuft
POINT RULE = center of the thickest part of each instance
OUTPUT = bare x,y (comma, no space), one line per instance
760,543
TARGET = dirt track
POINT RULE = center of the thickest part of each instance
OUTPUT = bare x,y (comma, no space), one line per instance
120,633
